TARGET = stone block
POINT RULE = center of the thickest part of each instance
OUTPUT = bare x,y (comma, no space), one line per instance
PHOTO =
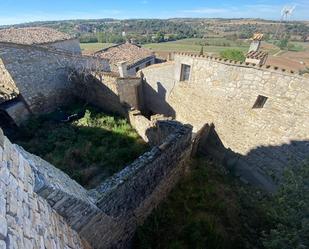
3,228
1,138
2,244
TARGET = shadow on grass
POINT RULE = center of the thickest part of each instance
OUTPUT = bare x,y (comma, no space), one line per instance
89,149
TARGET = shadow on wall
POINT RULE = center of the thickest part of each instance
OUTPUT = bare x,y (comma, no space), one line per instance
262,166
158,101
97,93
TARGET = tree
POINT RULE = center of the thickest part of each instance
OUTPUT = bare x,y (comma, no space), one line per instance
283,43
159,37
233,54
202,50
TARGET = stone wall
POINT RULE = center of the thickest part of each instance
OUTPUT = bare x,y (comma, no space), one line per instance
222,92
131,195
71,46
109,91
42,207
26,220
41,73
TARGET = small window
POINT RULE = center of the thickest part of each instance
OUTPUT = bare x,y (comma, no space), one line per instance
136,69
260,102
185,72
148,63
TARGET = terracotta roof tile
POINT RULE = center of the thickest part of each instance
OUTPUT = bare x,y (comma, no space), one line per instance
257,37
128,52
257,55
31,36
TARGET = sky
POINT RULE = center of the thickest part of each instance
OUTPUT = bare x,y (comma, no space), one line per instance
19,11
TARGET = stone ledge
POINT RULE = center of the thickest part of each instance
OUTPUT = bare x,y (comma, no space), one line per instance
242,64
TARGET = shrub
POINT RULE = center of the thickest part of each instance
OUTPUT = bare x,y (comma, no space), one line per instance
233,54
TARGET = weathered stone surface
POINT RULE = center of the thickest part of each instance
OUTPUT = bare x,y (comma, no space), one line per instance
24,223
269,138
3,228
43,205
41,73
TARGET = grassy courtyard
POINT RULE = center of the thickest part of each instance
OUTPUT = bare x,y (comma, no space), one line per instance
210,209
89,149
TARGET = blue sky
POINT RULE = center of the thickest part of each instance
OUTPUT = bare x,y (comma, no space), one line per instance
18,11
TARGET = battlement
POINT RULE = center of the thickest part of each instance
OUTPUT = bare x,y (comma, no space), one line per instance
241,64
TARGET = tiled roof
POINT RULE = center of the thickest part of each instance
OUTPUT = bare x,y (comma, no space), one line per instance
128,52
31,36
259,55
7,93
257,37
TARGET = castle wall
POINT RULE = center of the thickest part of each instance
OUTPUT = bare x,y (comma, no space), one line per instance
42,74
26,220
264,140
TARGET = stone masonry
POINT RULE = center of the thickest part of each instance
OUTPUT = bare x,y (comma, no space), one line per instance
41,207
27,220
264,140
41,73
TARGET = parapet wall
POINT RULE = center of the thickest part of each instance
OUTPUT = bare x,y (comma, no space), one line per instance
27,220
223,93
41,207
130,196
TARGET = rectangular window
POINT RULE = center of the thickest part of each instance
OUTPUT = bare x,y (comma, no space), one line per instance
260,102
185,72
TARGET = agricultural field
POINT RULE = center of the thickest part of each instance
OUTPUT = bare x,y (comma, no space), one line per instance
90,148
89,48
210,45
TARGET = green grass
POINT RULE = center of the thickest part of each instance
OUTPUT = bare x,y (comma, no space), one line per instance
205,210
93,47
194,45
209,209
88,149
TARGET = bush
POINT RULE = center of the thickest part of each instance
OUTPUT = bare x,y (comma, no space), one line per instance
233,54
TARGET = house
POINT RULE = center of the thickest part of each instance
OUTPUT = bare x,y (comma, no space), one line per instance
34,75
126,59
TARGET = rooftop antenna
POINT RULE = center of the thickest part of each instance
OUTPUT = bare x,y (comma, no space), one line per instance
286,14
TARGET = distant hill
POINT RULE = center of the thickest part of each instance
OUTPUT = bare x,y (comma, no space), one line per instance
177,28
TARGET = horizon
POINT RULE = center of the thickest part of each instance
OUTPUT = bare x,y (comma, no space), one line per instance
36,11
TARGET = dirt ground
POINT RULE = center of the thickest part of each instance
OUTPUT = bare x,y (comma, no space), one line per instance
290,60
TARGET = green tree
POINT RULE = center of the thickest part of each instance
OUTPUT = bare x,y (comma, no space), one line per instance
202,50
283,43
233,54
159,37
